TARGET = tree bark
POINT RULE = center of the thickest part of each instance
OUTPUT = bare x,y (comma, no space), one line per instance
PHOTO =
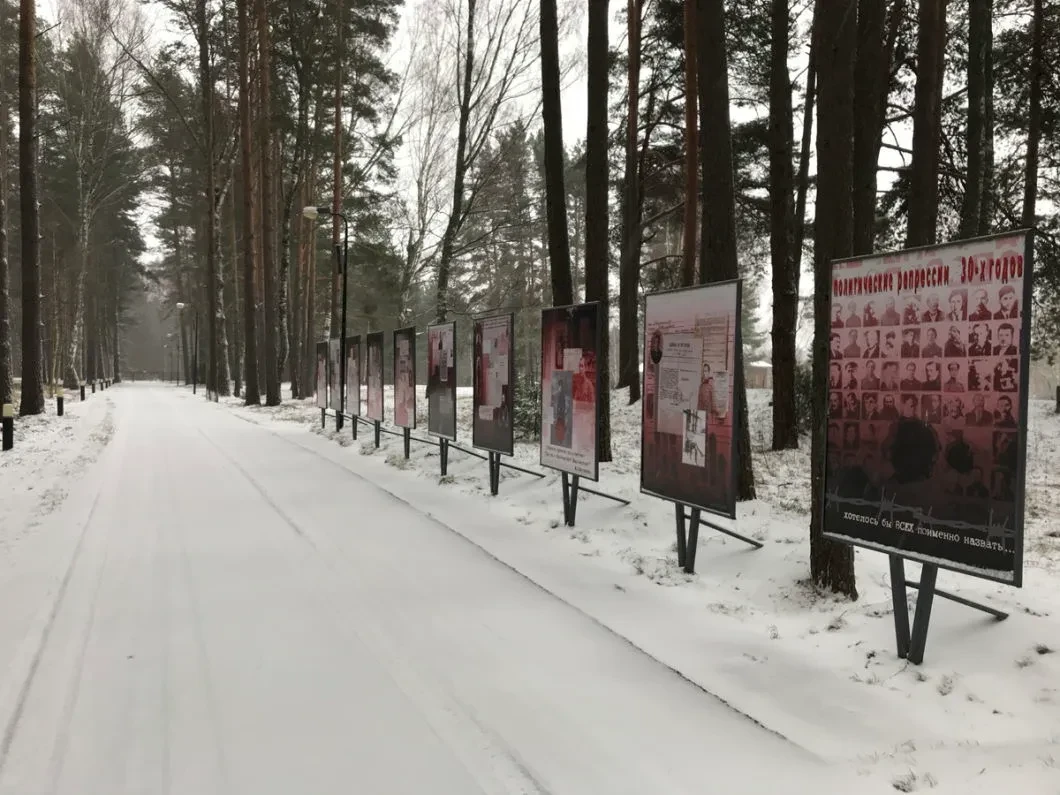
32,375
980,40
632,232
555,191
872,75
214,283
688,253
459,174
803,178
336,187
785,266
717,252
1034,122
923,205
596,216
831,564
250,323
7,384
268,208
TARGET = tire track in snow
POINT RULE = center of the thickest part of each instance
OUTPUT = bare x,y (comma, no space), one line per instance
423,686
440,523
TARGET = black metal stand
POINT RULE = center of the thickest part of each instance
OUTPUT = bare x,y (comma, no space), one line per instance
406,439
911,645
571,489
93,387
570,498
495,473
59,405
354,421
82,393
338,420
688,539
443,454
376,426
323,419
8,431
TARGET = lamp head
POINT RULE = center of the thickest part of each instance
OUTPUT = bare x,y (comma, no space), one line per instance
181,305
312,213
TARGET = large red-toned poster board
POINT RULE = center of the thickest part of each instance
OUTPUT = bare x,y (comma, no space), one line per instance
927,404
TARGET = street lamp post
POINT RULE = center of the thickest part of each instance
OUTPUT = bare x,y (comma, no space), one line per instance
343,260
195,355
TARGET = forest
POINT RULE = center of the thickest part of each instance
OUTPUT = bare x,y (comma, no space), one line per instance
167,149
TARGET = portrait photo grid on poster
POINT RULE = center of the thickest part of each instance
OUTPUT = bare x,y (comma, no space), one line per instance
335,369
691,356
374,367
926,402
353,376
441,380
322,375
493,384
405,378
570,339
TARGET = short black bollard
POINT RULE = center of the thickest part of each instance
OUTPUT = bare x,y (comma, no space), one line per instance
9,426
93,387
82,393
59,405
408,438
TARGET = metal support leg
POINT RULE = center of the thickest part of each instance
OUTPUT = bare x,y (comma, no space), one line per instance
922,618
59,405
82,393
495,473
406,437
354,422
682,543
570,498
443,454
376,428
323,419
901,608
693,541
338,421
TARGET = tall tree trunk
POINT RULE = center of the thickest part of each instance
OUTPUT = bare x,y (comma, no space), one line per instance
596,216
831,564
872,74
336,199
632,232
986,204
460,173
32,373
268,209
688,254
980,40
246,141
803,179
717,253
555,192
923,205
7,385
214,286
781,234
1034,118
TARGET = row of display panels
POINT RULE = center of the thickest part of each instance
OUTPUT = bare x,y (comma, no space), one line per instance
926,435
691,357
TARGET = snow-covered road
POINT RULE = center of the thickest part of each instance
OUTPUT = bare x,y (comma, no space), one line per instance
242,615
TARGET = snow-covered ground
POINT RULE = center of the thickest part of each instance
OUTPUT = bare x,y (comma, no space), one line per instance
982,712
176,583
238,615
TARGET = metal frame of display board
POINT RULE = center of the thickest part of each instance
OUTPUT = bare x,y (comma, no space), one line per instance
687,524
